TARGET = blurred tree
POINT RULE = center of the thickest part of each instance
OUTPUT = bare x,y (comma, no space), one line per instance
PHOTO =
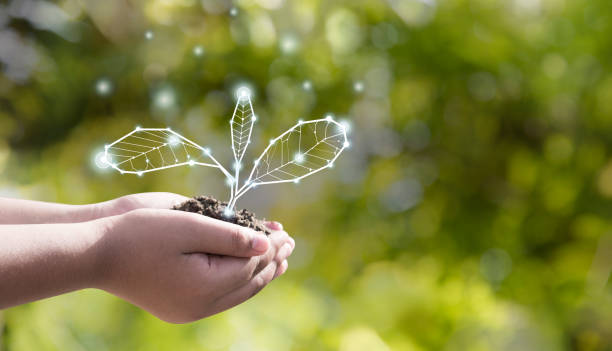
472,211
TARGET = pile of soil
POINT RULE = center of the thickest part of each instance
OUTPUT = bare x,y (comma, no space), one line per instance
211,207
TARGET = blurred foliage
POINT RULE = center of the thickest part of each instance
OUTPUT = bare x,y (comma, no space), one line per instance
472,211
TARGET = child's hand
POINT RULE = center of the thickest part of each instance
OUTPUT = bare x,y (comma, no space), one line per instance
182,266
143,200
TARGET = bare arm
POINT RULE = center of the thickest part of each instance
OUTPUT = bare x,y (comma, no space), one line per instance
42,260
179,266
17,211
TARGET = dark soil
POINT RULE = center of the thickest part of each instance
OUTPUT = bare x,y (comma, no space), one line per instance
211,207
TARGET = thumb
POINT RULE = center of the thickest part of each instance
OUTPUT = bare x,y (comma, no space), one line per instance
209,235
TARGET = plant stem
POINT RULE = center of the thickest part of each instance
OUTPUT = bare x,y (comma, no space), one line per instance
232,202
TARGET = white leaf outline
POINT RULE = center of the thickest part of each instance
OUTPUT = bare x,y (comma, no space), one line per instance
250,183
241,125
154,140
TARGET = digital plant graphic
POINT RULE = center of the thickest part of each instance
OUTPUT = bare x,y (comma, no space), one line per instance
306,148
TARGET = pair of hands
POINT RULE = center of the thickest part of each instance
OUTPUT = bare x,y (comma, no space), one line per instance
182,266
179,266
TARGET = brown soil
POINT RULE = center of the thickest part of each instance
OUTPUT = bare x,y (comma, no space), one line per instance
211,207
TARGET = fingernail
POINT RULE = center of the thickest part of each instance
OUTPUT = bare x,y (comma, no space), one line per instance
274,225
259,243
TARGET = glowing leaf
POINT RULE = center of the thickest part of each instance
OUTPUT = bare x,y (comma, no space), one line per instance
242,124
150,149
305,149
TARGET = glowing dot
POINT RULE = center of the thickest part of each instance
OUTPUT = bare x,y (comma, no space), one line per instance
207,151
300,121
233,12
299,158
149,35
272,141
358,86
347,144
173,140
106,146
175,160
164,99
296,181
254,118
191,163
254,185
345,125
307,85
328,117
289,44
137,127
198,50
139,174
101,160
243,92
237,165
331,165
229,181
104,87
256,162
227,212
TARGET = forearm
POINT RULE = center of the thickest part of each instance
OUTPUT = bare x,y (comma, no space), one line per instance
39,261
17,211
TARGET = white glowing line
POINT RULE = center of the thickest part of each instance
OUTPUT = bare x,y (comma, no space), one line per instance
250,183
241,130
215,163
153,140
245,124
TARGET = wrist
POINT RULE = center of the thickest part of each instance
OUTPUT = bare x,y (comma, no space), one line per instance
97,252
100,210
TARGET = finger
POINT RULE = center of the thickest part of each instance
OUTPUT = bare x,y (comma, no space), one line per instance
274,225
207,235
283,253
292,242
278,226
148,200
248,290
281,269
236,271
165,200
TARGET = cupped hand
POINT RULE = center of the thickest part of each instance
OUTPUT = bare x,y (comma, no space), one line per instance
182,267
132,202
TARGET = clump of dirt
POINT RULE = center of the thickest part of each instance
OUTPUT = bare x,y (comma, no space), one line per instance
211,207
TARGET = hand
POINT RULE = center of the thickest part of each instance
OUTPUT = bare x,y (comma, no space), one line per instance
136,201
182,266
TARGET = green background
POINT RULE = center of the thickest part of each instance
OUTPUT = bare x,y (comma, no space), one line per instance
472,211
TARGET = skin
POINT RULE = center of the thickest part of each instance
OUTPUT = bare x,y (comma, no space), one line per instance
179,266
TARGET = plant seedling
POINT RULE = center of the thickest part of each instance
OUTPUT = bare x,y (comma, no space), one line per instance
305,149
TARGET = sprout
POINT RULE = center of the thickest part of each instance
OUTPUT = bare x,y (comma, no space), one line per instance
314,146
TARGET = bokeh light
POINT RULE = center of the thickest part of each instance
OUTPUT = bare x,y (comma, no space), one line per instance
104,87
471,209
